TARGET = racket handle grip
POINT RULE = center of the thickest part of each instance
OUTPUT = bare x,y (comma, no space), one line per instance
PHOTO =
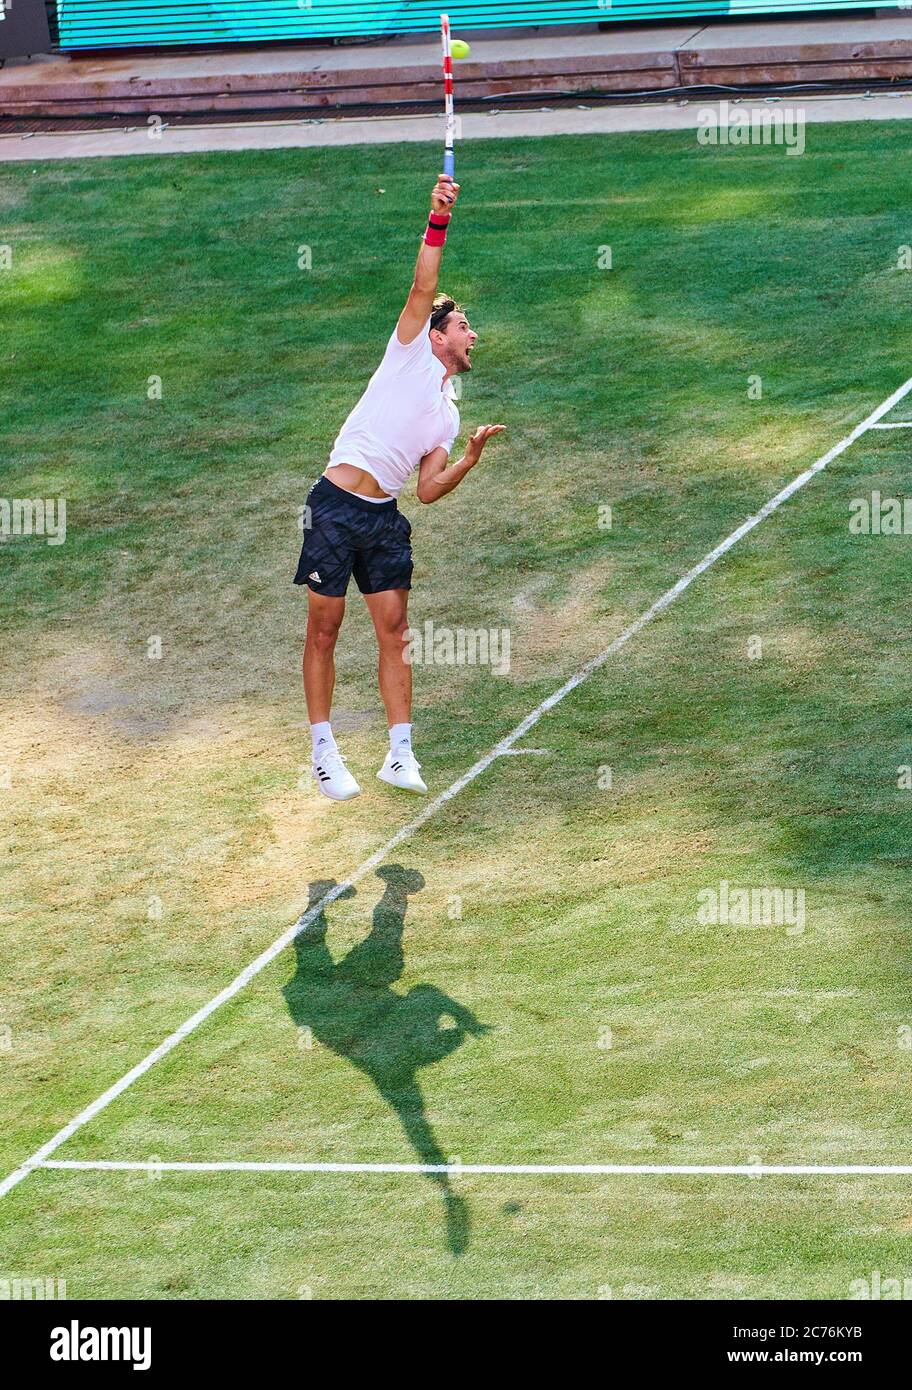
449,163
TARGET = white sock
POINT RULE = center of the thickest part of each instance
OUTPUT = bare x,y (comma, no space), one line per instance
400,736
322,737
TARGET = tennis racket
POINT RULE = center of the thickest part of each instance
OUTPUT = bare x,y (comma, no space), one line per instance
449,137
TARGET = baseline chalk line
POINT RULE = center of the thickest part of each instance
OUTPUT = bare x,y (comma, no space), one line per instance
749,1170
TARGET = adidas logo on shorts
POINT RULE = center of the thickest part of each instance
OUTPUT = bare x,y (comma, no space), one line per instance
315,577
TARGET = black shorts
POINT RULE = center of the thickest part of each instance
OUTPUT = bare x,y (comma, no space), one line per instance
344,535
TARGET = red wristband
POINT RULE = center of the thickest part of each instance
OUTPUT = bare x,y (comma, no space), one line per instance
437,228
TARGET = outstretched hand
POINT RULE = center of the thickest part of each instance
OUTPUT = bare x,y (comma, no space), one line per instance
446,191
479,439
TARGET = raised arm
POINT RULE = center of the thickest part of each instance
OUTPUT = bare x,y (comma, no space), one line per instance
417,309
435,479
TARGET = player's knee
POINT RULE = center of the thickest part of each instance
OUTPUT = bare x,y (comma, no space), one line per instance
392,631
322,633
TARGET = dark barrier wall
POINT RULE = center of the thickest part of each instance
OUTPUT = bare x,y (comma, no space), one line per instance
117,23
24,29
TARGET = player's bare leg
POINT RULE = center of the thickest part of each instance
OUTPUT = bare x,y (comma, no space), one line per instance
324,618
389,611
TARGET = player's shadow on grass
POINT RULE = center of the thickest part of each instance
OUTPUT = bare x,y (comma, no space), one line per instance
352,1008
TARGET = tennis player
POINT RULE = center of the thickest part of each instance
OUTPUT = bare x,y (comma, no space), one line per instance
405,420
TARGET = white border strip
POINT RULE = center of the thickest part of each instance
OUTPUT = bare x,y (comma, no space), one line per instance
894,425
38,1158
749,1170
493,123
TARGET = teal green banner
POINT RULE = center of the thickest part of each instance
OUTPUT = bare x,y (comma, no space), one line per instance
131,23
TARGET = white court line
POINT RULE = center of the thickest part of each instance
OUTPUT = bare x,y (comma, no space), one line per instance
407,831
749,1170
894,425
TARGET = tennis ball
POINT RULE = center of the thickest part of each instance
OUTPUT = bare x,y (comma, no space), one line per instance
459,48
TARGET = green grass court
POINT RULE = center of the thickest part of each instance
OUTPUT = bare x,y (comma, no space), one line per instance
156,834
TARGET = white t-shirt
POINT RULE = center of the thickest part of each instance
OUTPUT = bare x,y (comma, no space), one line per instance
402,416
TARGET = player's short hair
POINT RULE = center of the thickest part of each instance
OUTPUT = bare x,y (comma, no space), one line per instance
442,307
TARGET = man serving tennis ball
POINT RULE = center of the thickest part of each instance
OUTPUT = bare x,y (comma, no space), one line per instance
405,420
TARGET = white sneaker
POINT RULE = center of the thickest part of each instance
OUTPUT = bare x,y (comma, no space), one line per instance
402,769
333,777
